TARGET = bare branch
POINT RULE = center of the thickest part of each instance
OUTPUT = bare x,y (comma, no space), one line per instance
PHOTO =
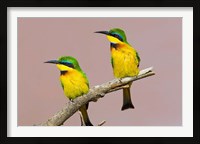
93,95
101,123
83,123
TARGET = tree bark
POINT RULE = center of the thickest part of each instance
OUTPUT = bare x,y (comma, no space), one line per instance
94,94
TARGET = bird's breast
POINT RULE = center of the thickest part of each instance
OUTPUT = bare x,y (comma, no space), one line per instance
74,84
124,62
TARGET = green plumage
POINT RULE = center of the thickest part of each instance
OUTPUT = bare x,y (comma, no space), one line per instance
112,62
122,34
72,61
75,63
138,58
73,81
119,32
124,59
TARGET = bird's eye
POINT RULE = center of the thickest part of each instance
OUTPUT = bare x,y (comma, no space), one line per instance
68,64
118,37
115,35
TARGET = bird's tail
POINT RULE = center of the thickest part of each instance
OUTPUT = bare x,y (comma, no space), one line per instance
85,116
127,103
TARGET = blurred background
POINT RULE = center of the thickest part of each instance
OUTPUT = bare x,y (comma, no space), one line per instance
157,99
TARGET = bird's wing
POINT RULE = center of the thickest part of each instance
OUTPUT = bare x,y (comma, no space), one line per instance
112,62
138,58
87,81
62,85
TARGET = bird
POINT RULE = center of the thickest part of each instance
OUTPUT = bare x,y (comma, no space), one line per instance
73,81
125,60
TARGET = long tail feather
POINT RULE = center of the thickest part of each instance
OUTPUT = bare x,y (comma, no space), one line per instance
85,116
127,103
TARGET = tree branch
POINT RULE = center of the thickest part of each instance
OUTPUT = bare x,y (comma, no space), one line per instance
93,95
83,123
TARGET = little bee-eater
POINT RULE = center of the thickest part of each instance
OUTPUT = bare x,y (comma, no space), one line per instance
73,81
124,59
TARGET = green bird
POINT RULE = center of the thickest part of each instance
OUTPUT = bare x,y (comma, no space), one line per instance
73,81
124,59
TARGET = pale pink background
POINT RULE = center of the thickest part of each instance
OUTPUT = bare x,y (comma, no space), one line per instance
157,99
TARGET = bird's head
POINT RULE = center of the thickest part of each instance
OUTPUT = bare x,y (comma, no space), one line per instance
115,35
66,63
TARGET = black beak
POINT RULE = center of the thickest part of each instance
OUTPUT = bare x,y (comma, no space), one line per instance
103,32
52,61
63,63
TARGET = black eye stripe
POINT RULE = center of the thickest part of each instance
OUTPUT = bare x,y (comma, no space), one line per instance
67,64
70,65
117,36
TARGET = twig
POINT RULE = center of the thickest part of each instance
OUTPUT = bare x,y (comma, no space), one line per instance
93,95
101,123
81,117
83,124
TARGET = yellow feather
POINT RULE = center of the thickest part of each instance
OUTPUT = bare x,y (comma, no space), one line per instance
63,67
114,40
75,84
125,62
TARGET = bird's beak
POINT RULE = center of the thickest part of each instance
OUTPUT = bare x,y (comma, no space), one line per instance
60,63
52,61
103,32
